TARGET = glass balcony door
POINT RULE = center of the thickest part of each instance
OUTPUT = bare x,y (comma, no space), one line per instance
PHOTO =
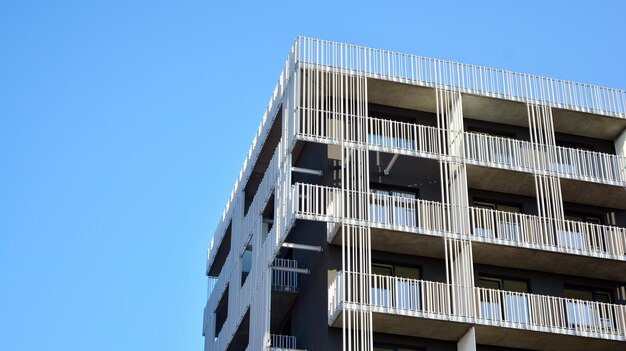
584,313
506,302
393,207
396,286
575,235
499,226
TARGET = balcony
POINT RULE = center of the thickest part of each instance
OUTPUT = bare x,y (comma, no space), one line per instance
525,241
283,343
426,307
559,246
480,149
284,293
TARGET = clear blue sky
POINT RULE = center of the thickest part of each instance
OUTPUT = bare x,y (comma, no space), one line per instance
123,125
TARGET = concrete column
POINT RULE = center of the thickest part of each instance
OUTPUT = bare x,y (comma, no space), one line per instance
620,150
468,341
620,144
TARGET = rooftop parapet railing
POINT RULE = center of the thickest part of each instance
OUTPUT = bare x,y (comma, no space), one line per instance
404,213
433,300
473,79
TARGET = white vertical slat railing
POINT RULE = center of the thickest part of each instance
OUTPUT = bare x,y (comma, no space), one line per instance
383,134
401,213
589,165
547,313
482,149
317,202
411,69
567,236
282,342
561,161
409,296
284,280
427,299
505,152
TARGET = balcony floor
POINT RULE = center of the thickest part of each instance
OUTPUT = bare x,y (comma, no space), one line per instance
403,242
498,255
548,261
411,326
521,183
527,339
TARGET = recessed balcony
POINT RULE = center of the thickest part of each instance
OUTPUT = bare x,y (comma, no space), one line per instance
480,149
283,343
524,241
439,310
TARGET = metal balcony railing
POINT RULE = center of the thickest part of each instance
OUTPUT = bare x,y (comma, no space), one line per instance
472,79
284,280
282,342
519,229
402,213
481,149
525,156
434,300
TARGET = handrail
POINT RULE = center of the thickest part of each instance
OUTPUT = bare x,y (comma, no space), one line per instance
482,149
428,299
284,280
531,310
412,69
563,235
562,161
283,342
402,213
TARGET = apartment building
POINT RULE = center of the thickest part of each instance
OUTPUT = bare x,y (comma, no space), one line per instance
396,202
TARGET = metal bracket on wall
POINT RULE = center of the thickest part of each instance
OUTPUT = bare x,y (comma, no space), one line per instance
290,269
306,171
302,247
391,163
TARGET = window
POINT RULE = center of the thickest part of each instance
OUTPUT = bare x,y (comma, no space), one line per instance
267,219
576,236
394,207
588,294
566,157
512,208
583,218
575,145
508,303
503,225
394,348
246,261
494,132
515,285
399,293
583,313
491,146
393,132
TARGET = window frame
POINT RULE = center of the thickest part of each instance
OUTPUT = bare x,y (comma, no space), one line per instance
246,274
